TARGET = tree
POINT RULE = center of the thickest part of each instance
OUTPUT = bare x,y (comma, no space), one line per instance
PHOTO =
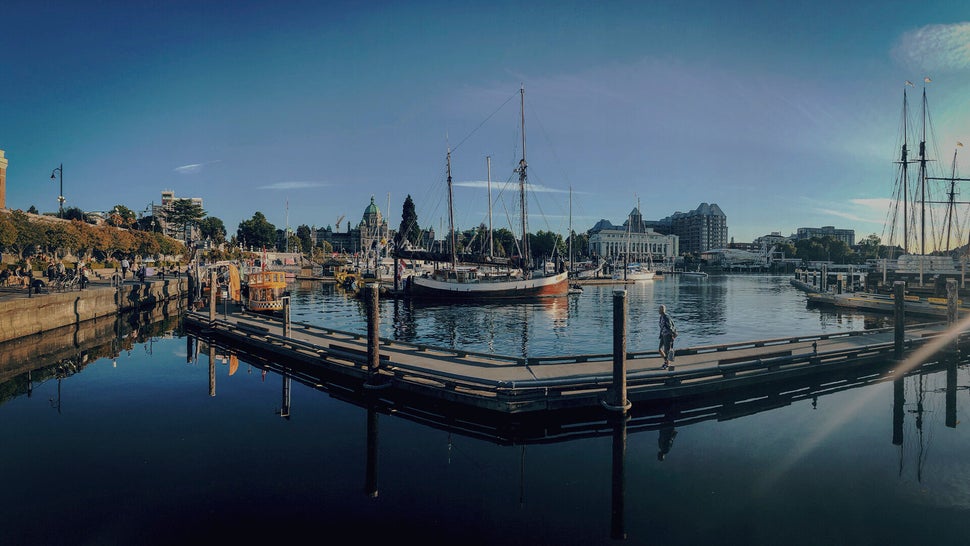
8,232
121,216
212,229
183,212
505,243
870,247
33,210
304,234
257,231
546,243
28,236
409,230
74,213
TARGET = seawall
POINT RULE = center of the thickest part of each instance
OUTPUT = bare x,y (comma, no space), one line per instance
23,316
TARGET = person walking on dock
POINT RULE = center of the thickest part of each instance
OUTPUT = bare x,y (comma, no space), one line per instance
124,268
667,334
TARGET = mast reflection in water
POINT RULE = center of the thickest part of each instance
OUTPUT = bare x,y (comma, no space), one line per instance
184,443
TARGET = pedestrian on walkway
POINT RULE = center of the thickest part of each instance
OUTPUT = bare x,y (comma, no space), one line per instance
668,332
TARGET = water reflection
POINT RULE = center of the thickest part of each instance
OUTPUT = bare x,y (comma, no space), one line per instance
665,421
720,309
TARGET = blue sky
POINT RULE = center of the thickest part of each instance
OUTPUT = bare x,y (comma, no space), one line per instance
785,114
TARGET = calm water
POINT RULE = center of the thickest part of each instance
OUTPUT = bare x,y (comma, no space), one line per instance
148,448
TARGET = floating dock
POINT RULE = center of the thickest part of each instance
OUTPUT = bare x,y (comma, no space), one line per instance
515,385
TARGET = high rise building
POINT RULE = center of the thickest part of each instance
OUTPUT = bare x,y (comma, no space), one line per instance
702,229
3,181
847,236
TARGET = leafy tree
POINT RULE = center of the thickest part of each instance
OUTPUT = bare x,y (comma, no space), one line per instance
117,243
74,213
304,234
546,243
869,248
8,232
580,245
121,216
257,231
87,238
409,230
33,210
213,229
28,236
787,248
505,243
183,212
146,243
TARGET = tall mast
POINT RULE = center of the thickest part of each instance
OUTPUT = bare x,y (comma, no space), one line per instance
488,164
451,218
570,228
950,199
922,179
526,254
904,161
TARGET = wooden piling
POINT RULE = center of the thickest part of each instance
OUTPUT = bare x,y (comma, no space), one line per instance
952,301
212,295
286,316
618,401
371,291
899,308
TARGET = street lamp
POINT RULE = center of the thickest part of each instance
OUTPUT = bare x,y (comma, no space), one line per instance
60,196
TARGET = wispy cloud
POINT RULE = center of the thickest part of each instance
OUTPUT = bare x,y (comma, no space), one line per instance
292,185
193,168
935,48
538,188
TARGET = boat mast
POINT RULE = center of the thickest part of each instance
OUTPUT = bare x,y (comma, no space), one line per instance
904,162
526,254
570,228
922,180
451,219
950,199
488,164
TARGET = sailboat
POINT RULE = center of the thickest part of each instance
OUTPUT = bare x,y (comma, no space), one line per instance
917,257
470,282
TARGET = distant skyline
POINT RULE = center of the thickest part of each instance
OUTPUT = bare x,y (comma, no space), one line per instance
784,114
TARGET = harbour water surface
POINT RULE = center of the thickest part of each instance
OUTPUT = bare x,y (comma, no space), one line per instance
161,446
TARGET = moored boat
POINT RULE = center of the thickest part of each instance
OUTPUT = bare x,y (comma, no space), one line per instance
266,290
483,282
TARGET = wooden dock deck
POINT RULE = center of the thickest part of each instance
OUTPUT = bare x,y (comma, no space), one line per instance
514,385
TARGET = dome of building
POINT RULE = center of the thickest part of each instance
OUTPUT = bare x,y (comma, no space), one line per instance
371,211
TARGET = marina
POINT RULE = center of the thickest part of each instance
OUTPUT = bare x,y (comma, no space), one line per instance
244,409
557,382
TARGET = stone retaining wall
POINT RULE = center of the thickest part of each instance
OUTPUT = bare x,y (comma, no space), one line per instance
23,316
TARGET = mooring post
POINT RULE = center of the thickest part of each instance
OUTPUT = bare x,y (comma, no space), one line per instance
952,299
212,296
618,390
373,333
286,316
899,313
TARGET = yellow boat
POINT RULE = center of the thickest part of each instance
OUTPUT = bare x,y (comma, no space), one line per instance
266,291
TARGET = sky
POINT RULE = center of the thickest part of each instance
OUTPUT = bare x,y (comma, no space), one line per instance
784,114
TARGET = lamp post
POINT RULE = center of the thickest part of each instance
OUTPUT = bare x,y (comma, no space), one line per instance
60,196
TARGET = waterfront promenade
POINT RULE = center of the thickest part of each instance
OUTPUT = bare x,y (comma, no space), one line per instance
24,313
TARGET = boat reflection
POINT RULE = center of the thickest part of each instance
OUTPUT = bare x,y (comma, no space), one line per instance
498,327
